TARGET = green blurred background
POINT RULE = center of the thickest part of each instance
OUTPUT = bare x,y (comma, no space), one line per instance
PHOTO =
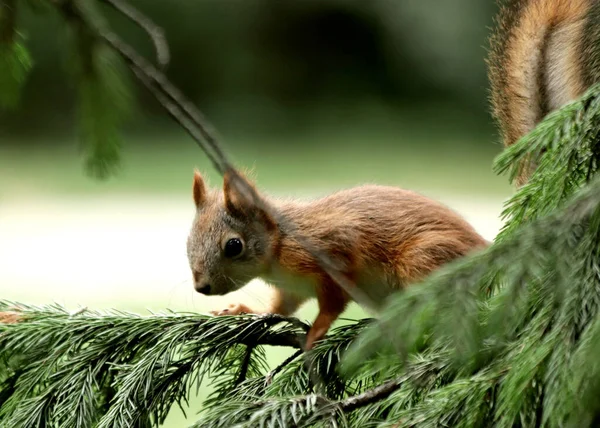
313,95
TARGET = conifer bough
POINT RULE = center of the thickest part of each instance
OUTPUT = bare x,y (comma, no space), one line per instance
508,337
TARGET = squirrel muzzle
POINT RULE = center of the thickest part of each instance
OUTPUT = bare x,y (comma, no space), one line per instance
202,286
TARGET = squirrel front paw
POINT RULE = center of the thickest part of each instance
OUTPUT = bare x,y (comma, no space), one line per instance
233,309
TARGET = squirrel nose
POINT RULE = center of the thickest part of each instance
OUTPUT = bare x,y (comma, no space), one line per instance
202,287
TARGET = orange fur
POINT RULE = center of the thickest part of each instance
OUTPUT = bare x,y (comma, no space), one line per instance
332,302
198,189
382,238
537,62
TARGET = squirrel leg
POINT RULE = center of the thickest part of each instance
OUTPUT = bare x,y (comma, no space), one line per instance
282,303
332,302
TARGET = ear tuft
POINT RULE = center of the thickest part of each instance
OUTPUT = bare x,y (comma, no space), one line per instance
240,205
237,204
198,189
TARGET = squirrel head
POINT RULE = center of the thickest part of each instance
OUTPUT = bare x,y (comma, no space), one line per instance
231,241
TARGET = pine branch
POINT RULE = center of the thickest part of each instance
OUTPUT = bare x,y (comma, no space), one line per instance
280,367
180,109
530,339
371,396
71,365
564,150
155,32
269,407
103,105
105,99
243,372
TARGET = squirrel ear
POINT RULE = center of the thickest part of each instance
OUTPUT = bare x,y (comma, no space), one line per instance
241,206
237,204
198,189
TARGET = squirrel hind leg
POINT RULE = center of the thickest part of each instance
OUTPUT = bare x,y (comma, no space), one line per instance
332,302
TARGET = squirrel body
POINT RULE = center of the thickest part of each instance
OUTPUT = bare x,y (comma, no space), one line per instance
382,238
543,54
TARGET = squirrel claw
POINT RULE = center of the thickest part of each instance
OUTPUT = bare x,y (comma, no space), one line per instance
233,309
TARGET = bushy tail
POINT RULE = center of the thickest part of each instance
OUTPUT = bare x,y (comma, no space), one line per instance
544,53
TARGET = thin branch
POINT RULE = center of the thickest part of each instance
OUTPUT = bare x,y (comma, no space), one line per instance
244,367
271,375
175,111
370,396
156,33
279,339
160,83
326,408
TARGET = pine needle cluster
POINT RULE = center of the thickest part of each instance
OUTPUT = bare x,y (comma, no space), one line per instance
115,369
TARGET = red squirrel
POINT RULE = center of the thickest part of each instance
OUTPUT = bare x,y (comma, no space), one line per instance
385,238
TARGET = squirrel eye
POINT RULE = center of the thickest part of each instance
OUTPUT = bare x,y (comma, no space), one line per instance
233,247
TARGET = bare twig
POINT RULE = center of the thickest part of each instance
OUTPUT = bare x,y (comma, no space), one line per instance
269,377
326,408
371,396
176,114
289,340
204,134
244,366
156,33
273,319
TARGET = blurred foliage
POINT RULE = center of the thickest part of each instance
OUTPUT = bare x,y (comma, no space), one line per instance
103,100
15,62
272,65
